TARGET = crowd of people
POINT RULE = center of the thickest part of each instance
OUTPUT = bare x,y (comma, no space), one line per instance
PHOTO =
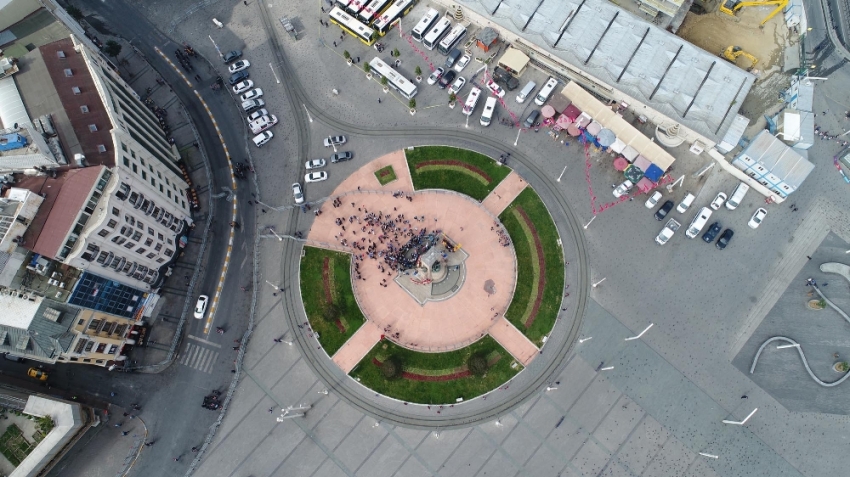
504,238
825,136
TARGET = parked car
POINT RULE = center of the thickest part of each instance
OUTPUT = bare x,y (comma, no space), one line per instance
201,306
653,200
315,164
686,203
239,66
435,76
259,125
446,79
718,201
297,193
252,104
757,217
623,188
342,156
253,94
334,141
316,176
457,85
237,77
712,232
495,89
698,222
724,239
243,86
263,138
667,232
232,56
502,75
257,115
37,374
531,118
462,62
665,208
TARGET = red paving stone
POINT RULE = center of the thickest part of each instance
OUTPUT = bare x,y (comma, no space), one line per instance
504,193
513,340
436,326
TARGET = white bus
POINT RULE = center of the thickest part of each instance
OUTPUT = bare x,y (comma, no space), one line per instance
432,38
343,3
368,14
452,39
392,15
424,24
471,101
398,82
355,6
352,26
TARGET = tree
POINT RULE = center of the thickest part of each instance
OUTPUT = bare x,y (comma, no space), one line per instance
112,48
346,54
452,98
392,367
418,71
412,104
331,312
477,364
367,67
74,12
396,52
384,80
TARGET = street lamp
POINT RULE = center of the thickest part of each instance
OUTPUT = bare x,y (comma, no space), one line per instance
599,282
308,113
741,423
795,345
641,333
331,139
519,130
562,175
588,224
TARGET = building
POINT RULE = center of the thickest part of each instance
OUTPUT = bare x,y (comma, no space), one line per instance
48,331
622,58
773,164
120,210
18,208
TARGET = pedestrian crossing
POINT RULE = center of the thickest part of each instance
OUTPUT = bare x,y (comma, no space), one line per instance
198,357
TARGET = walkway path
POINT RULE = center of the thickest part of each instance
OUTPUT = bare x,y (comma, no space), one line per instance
504,193
517,344
357,346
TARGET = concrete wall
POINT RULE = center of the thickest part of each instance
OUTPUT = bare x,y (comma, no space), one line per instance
68,418
16,11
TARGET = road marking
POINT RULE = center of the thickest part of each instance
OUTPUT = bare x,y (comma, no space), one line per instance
198,357
204,341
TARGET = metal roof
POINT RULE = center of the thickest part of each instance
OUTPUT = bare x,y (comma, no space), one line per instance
778,158
687,84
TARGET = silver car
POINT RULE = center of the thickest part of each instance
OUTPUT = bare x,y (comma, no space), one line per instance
298,193
315,164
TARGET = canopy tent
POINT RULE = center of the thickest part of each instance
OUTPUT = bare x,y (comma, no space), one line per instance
618,146
645,185
572,112
573,130
654,173
514,61
630,153
563,122
583,120
619,126
606,137
620,164
634,173
642,162
594,128
559,102
548,111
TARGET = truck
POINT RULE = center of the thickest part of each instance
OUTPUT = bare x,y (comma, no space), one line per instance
667,232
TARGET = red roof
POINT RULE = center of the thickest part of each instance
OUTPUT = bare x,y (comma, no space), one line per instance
64,197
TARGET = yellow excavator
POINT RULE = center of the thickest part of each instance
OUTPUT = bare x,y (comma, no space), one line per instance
732,53
731,7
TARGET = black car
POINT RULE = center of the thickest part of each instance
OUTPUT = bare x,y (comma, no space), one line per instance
342,156
724,239
501,75
532,118
238,76
447,79
712,232
232,56
664,210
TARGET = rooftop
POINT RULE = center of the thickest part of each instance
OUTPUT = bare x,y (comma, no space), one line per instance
687,84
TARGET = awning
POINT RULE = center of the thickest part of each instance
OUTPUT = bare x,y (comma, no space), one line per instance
572,112
653,173
645,185
547,111
620,164
606,137
594,128
618,146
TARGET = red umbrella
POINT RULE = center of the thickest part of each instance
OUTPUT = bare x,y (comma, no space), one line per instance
573,130
547,111
620,164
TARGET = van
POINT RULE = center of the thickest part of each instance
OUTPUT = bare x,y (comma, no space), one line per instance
532,118
544,93
263,138
489,107
737,196
452,58
526,92
699,222
685,203
471,101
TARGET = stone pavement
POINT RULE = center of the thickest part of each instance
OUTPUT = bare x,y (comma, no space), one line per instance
504,193
357,346
513,340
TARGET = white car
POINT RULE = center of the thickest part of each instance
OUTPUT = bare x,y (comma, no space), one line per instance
757,217
262,123
459,83
298,193
495,89
462,62
718,201
316,176
201,306
243,86
239,66
263,138
257,115
335,140
653,200
315,164
623,188
436,75
253,94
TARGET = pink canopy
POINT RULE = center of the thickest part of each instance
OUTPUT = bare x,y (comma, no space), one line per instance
572,112
563,122
547,111
594,128
573,130
621,164
645,185
642,162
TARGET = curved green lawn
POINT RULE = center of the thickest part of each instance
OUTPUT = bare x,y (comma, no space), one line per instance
314,295
415,389
480,176
526,292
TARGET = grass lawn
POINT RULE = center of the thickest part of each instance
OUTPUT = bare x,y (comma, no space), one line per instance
526,288
319,283
385,175
435,392
13,446
460,170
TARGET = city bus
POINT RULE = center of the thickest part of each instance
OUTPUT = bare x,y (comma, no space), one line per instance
370,13
355,6
471,101
343,3
352,26
398,82
432,38
424,24
392,15
452,39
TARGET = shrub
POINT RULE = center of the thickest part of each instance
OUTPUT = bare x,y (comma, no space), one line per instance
112,48
331,312
74,12
822,303
367,67
452,98
392,367
383,80
477,364
412,103
346,54
396,53
418,71
843,366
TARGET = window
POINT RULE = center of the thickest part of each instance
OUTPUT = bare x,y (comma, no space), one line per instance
150,231
84,108
102,257
159,175
115,211
148,242
135,169
92,127
169,253
126,161
129,245
129,219
160,188
169,194
158,247
144,175
153,182
133,153
119,240
140,225
76,90
112,223
103,232
160,260
170,242
140,250
142,160
166,181
123,147
160,237
91,251
68,73
137,236
101,148
60,54
151,255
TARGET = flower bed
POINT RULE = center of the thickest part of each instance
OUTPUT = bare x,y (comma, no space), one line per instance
460,170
